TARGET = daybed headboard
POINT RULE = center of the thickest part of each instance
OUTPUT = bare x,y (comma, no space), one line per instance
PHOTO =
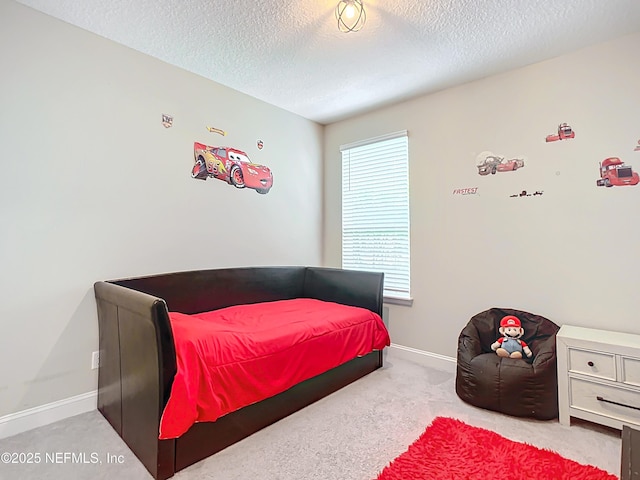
206,290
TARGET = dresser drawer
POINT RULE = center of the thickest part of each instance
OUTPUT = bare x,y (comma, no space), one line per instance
595,364
630,371
583,395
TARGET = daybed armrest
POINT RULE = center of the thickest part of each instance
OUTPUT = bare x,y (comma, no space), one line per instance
349,287
142,323
137,367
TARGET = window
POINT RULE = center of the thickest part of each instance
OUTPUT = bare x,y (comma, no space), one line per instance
375,210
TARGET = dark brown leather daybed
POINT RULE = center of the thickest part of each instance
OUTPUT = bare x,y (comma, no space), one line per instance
138,360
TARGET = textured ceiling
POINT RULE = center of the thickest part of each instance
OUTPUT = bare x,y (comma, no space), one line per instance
291,54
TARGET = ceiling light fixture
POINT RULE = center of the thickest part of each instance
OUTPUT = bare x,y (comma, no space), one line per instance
351,15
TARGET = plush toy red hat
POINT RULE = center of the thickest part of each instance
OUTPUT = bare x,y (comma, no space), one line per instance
510,321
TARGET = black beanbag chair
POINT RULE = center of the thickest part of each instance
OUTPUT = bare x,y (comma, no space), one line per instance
519,387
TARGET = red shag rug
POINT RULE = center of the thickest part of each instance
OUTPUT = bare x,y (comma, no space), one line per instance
451,449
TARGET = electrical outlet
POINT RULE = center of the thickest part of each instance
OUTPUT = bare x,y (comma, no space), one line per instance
95,360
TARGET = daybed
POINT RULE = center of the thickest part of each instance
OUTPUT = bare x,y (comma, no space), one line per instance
138,362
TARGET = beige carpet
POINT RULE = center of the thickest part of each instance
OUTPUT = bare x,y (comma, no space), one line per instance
350,435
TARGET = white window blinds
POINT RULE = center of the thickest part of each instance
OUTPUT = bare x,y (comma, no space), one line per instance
375,210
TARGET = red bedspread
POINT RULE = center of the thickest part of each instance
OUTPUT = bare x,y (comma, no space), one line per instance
233,357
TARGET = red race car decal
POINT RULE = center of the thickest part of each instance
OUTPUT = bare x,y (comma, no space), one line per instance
232,166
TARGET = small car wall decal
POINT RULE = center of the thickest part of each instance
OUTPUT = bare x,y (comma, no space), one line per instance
564,132
492,164
524,193
232,166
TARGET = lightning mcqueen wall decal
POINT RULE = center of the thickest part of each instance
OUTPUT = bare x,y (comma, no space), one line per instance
232,166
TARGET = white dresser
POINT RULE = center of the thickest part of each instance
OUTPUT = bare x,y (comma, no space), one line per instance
598,376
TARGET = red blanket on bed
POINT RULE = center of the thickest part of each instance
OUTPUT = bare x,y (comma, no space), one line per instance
233,357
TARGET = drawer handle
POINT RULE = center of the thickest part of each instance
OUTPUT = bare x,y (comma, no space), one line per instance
616,403
591,364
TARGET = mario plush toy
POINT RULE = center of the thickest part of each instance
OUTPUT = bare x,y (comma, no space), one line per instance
510,345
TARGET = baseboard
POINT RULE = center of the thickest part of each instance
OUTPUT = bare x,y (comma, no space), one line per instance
19,422
433,360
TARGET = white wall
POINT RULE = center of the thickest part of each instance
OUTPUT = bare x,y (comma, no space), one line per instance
93,187
571,254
